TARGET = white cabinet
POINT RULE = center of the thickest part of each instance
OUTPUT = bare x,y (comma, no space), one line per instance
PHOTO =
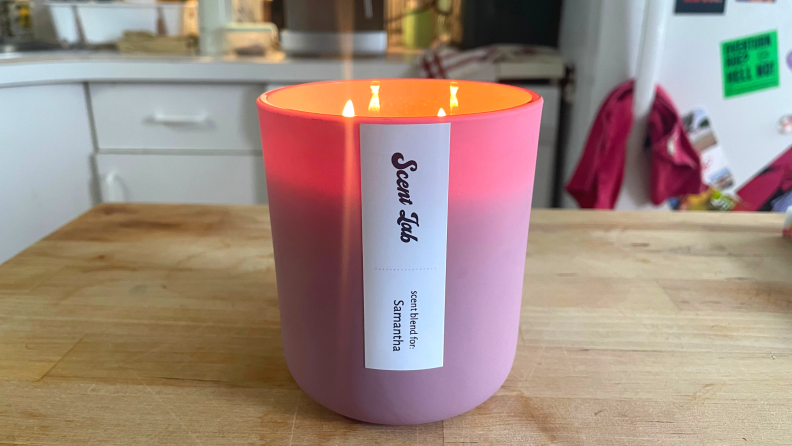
177,178
45,162
160,134
179,143
200,143
136,116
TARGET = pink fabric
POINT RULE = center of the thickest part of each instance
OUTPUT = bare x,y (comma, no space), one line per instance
599,173
676,166
450,63
772,182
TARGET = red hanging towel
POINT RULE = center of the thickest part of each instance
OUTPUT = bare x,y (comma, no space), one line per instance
599,173
676,166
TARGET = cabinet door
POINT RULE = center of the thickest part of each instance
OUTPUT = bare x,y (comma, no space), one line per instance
168,178
45,162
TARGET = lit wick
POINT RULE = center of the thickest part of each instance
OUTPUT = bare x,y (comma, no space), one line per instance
441,112
349,110
453,102
374,103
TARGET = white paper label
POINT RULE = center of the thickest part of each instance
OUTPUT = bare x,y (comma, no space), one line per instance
404,185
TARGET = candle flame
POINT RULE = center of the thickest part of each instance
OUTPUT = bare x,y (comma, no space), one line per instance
441,112
374,103
453,102
349,110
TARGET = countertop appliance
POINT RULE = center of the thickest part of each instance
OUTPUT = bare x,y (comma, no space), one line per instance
342,27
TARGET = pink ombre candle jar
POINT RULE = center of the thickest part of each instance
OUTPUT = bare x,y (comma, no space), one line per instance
400,213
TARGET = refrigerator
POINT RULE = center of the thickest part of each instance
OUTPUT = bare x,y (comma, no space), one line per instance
728,68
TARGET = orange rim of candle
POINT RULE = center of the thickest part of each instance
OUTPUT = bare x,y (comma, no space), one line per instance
398,99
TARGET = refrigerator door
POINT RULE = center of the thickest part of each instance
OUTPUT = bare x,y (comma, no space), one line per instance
747,124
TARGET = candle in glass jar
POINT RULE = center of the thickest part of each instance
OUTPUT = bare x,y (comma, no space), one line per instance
400,212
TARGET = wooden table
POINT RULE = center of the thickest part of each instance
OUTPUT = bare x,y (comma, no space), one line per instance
158,324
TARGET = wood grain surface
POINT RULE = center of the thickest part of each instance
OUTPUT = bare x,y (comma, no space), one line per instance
158,325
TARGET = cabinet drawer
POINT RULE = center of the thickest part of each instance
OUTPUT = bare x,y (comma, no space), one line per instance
212,179
176,116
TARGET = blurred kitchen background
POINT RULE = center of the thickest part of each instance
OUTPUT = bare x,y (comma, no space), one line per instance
154,101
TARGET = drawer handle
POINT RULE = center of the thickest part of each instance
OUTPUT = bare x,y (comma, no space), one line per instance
160,118
112,189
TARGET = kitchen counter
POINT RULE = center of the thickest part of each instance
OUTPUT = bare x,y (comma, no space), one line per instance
158,324
92,66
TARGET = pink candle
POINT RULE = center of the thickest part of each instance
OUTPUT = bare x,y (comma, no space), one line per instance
400,213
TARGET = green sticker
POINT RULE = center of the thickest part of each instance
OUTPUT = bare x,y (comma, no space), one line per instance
750,63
